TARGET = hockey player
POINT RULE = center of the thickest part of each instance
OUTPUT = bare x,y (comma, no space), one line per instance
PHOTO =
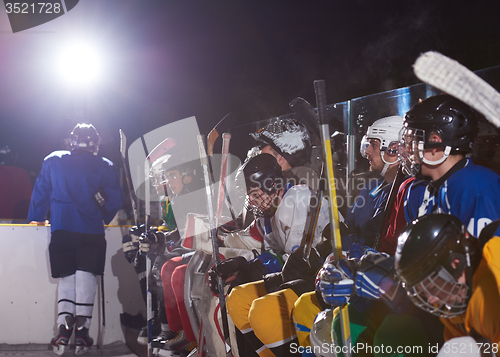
286,209
82,191
380,147
438,134
451,274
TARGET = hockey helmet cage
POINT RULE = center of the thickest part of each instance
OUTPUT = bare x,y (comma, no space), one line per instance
386,130
288,137
85,137
425,262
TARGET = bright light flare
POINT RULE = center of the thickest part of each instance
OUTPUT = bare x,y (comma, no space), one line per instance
80,64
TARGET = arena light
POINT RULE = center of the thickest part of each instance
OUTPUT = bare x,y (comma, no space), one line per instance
79,64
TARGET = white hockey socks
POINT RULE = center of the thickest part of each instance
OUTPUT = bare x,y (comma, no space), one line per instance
65,298
85,288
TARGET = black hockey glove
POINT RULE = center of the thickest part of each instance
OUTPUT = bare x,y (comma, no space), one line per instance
130,242
235,271
297,268
150,242
100,198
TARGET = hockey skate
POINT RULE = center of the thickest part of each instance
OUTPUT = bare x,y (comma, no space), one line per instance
61,341
159,341
83,341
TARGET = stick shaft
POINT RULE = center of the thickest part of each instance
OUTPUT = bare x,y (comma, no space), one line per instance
320,90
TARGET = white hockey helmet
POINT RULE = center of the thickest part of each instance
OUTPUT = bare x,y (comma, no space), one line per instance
387,131
321,335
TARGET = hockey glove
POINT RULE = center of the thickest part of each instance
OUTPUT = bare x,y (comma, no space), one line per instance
375,275
151,241
297,268
336,282
130,242
235,271
100,198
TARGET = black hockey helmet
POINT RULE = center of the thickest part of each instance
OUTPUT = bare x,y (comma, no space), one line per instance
262,171
288,137
85,137
452,119
426,262
263,179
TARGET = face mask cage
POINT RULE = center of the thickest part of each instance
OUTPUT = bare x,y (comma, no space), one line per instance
260,203
411,149
440,294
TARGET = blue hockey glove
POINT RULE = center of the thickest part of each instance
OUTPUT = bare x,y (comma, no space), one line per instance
376,270
336,282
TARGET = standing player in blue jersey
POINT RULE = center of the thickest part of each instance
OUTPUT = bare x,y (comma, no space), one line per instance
82,191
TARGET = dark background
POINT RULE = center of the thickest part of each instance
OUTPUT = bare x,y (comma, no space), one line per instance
169,60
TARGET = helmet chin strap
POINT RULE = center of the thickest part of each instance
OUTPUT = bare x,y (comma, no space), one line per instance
446,153
387,164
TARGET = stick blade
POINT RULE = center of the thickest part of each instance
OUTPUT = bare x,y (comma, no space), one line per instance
161,149
211,138
123,143
457,80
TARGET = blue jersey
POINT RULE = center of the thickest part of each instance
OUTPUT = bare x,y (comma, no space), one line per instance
471,193
364,217
67,184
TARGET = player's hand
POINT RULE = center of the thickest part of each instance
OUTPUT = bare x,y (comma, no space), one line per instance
42,223
227,269
149,242
375,275
336,282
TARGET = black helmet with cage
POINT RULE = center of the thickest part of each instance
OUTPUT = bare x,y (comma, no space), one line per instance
450,118
85,137
289,138
435,259
263,180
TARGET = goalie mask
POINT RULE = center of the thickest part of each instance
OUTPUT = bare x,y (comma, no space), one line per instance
263,179
288,137
85,137
443,115
386,130
435,259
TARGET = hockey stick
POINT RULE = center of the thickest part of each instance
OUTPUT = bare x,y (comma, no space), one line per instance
211,139
306,111
320,90
123,152
213,236
457,80
103,312
226,138
158,151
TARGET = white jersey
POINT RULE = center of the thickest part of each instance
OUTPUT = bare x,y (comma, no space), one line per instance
289,221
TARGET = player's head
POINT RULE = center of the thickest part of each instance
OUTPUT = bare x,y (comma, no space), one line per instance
173,172
442,123
288,138
380,144
435,259
85,137
263,180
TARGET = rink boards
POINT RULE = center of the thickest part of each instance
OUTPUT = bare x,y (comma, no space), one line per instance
28,299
